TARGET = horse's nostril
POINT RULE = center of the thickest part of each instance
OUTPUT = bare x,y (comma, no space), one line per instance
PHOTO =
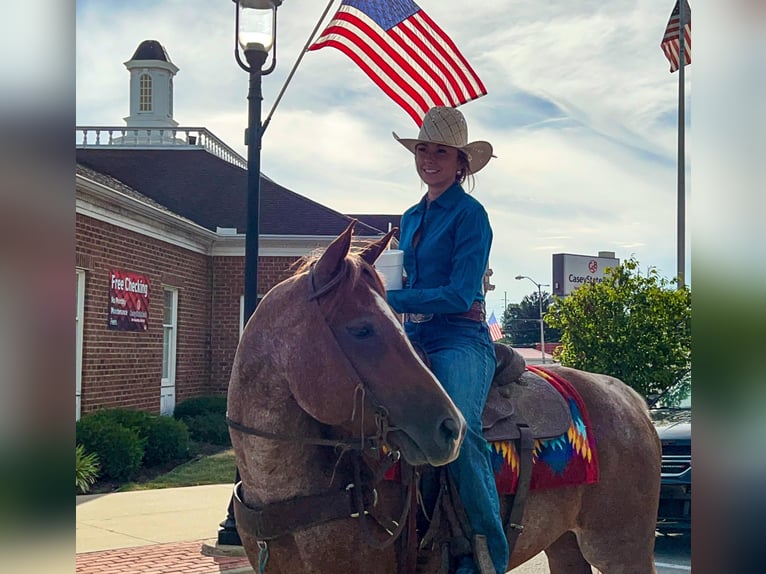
450,429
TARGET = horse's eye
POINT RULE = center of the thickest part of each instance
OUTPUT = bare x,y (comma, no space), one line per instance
361,331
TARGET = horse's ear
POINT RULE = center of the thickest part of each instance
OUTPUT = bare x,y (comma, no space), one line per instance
330,262
372,251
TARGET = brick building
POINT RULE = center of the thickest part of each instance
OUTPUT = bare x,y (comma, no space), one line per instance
160,243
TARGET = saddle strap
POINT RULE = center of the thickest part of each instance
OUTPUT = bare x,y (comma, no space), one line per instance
277,519
513,527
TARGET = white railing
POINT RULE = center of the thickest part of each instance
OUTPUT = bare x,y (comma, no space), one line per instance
151,138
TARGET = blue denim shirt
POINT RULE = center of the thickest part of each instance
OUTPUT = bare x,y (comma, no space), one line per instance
445,270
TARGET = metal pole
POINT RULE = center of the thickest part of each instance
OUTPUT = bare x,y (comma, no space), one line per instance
542,328
681,224
255,59
227,534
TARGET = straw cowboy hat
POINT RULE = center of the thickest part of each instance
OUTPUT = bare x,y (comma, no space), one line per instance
446,126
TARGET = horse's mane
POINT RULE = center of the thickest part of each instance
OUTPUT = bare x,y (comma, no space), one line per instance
355,269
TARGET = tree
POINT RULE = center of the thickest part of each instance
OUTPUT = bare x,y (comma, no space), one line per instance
633,327
521,321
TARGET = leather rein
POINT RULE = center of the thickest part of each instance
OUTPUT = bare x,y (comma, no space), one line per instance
357,500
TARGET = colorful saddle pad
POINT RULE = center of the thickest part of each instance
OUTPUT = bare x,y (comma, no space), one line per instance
560,461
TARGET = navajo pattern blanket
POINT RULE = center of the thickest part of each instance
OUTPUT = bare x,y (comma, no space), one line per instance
559,461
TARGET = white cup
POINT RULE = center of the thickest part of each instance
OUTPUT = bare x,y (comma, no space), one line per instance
390,265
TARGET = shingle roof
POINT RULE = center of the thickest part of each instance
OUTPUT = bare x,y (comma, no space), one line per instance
212,192
381,222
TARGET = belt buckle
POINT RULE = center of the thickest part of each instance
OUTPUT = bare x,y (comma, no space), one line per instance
420,317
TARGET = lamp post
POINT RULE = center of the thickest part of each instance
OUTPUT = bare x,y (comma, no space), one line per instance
255,35
540,302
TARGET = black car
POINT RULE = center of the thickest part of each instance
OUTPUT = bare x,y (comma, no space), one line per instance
671,413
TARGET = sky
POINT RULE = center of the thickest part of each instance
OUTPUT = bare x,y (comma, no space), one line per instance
581,110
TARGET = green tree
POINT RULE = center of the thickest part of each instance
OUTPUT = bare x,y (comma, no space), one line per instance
521,321
631,326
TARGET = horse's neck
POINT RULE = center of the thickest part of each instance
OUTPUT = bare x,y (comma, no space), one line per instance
283,469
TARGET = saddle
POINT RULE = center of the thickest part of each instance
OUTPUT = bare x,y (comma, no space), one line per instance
518,397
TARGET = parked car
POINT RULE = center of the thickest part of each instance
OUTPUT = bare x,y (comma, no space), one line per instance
671,413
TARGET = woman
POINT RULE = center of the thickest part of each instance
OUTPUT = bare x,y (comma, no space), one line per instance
446,239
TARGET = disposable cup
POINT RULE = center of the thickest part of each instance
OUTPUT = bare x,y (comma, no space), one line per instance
389,266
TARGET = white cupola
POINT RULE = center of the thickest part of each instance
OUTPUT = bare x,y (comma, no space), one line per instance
151,87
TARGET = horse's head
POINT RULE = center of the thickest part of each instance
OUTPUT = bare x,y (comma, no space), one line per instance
377,371
326,341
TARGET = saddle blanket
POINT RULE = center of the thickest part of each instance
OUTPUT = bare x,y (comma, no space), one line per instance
565,460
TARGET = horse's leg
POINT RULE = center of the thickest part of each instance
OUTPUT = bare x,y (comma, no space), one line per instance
564,556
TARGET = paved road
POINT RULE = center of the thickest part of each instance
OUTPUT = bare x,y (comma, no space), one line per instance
672,555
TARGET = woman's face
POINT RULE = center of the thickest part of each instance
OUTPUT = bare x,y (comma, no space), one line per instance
437,164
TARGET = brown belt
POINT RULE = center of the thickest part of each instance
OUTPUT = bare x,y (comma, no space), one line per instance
475,313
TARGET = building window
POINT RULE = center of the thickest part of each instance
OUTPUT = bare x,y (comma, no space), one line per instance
145,93
169,334
79,311
170,99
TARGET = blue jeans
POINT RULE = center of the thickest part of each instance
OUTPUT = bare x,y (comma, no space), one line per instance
463,359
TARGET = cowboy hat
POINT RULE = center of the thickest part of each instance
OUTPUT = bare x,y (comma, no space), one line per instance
446,126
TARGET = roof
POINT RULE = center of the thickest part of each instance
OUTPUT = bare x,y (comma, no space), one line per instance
151,50
212,192
381,222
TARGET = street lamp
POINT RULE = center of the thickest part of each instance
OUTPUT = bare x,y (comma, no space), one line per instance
540,302
255,29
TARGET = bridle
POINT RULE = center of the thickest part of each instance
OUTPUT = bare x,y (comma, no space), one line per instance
357,500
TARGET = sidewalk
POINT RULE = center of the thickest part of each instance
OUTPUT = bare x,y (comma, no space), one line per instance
155,532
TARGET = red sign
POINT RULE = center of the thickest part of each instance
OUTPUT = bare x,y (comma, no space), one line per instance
128,301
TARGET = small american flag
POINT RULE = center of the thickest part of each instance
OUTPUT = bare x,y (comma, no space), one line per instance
495,332
404,52
670,44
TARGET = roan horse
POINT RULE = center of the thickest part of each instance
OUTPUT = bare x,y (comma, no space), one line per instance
326,391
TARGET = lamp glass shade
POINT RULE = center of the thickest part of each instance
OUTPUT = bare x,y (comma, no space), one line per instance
256,25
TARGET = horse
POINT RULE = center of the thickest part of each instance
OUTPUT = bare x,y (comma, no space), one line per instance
326,393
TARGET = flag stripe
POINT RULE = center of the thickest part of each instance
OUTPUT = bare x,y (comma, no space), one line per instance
454,54
414,110
670,44
357,37
409,41
495,332
414,62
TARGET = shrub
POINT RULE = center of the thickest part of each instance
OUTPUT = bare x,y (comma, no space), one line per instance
166,440
209,427
86,468
200,406
119,449
139,421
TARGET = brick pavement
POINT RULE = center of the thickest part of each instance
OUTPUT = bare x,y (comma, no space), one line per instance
169,558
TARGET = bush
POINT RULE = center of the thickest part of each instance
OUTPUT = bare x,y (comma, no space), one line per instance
206,419
119,449
86,468
166,440
200,406
209,427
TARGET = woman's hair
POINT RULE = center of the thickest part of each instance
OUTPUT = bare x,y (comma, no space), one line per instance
462,174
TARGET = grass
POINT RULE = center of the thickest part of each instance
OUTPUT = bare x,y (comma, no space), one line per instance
217,468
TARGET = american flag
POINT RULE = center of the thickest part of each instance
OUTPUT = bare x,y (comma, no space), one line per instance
495,332
404,52
670,44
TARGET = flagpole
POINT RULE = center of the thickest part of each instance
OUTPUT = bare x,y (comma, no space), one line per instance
681,210
295,66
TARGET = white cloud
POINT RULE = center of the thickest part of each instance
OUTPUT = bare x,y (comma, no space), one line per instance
581,111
